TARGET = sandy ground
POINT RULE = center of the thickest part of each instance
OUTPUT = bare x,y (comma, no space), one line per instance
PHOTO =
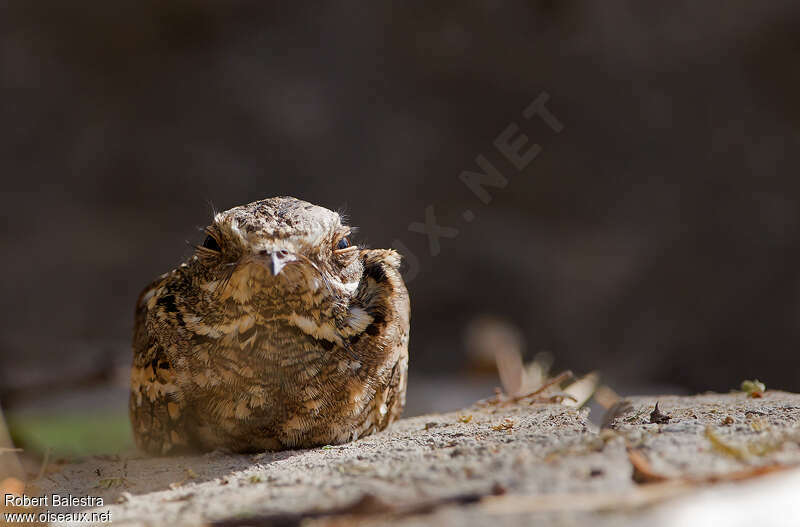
501,464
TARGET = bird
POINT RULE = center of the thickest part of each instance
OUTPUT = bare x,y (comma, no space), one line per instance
278,332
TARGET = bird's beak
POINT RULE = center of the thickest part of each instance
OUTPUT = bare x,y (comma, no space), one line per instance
275,260
275,264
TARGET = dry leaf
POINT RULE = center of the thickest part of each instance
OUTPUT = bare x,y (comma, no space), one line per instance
507,424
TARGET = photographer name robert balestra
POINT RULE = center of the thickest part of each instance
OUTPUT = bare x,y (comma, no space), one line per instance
52,500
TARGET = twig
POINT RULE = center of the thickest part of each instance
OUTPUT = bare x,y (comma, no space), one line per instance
558,379
643,472
642,469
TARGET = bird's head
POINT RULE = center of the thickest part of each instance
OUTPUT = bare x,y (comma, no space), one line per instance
277,247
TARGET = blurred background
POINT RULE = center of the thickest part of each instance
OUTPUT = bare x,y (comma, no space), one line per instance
655,238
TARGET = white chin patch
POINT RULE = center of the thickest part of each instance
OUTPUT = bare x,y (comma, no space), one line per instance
348,287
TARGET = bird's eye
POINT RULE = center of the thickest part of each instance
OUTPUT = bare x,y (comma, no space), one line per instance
211,243
344,243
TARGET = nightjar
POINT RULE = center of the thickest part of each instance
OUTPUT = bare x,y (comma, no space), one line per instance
276,333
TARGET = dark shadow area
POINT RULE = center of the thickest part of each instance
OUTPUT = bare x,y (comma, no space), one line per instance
110,477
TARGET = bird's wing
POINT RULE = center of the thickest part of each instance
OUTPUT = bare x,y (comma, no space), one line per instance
382,306
155,402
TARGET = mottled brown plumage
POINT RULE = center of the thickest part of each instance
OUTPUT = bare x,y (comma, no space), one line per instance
277,333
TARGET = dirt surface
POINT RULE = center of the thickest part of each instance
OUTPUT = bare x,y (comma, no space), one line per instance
501,464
